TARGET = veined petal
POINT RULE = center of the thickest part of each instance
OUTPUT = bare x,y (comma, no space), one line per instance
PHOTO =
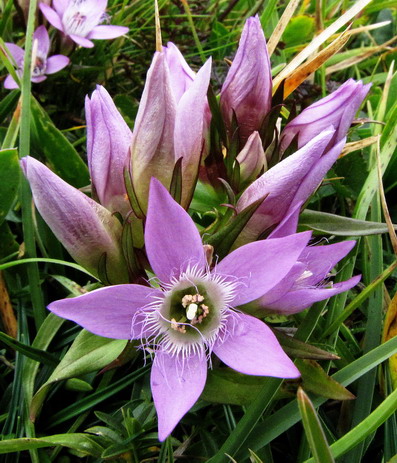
55,63
107,32
176,385
109,311
253,349
188,135
173,243
254,265
86,229
52,16
152,147
298,300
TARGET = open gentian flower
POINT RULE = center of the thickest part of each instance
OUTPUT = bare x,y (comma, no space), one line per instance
193,311
80,19
43,65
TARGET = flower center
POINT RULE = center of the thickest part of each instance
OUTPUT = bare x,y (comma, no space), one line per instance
39,67
78,19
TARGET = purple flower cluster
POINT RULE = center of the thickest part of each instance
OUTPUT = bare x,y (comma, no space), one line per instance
195,304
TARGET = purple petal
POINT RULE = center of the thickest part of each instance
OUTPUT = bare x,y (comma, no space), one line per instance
10,83
86,229
43,41
280,183
296,301
254,265
176,385
289,224
38,79
83,42
252,158
152,147
173,243
16,52
60,6
248,84
181,75
188,135
56,63
52,16
107,32
107,311
108,144
252,349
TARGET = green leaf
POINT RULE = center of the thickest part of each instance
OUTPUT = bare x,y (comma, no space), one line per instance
88,353
59,152
7,104
8,244
78,441
340,226
299,30
313,430
315,379
9,180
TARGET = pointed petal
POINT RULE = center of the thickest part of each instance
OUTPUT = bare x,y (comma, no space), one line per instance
176,385
254,265
152,148
296,301
253,349
83,42
107,32
9,83
52,16
86,229
55,63
173,242
289,224
189,125
43,41
181,75
108,312
248,84
108,145
280,183
252,159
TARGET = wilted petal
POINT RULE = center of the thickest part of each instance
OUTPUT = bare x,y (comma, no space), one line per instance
247,88
254,265
281,184
189,134
152,148
86,229
181,75
251,348
108,144
107,32
173,242
298,300
52,16
109,311
252,159
337,109
56,63
176,385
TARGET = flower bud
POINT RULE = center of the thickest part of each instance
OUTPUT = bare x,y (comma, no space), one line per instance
252,159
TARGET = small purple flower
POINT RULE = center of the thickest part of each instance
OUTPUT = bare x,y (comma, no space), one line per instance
336,109
80,19
192,311
108,149
43,65
247,90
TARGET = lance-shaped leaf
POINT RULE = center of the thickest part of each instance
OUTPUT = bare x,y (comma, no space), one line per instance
247,88
152,148
86,229
108,145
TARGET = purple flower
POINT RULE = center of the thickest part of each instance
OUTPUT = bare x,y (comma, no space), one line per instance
247,90
170,125
337,109
288,184
80,19
252,159
43,65
192,311
108,145
89,232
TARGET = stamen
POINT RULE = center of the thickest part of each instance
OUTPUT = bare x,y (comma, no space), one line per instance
191,311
